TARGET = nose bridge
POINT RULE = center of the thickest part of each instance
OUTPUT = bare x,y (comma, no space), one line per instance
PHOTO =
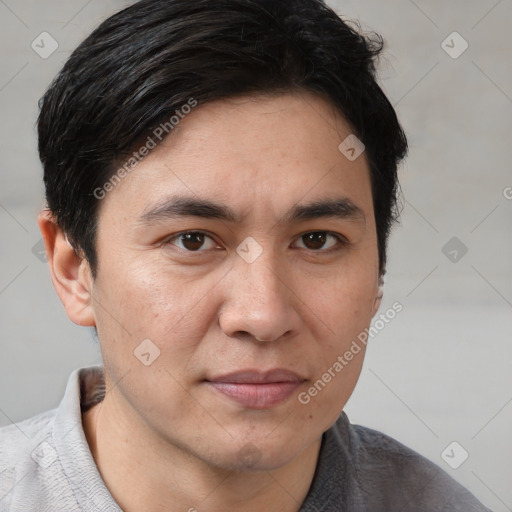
261,285
257,262
258,301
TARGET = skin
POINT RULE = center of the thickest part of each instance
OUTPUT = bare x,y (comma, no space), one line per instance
162,438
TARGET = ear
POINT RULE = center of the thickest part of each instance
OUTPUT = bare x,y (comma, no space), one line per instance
378,297
70,273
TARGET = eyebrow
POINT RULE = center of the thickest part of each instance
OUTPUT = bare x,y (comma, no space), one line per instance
189,206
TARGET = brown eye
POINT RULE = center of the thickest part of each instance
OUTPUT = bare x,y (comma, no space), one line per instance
314,240
192,241
317,240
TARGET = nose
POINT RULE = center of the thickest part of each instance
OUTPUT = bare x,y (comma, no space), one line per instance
260,303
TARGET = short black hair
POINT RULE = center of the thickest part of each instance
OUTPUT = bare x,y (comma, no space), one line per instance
148,60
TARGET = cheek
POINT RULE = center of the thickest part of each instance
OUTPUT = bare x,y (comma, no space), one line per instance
333,383
345,304
345,308
134,296
139,304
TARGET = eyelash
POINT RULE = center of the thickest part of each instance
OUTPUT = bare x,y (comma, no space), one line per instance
342,241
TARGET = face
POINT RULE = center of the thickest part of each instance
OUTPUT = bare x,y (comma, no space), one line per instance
243,251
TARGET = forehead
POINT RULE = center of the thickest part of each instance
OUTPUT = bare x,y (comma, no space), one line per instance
261,153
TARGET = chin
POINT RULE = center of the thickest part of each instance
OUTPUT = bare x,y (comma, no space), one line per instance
258,455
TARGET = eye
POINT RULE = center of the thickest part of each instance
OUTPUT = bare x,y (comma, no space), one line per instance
322,241
192,241
199,241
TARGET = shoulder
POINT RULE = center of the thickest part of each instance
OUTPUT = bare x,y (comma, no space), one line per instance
390,476
45,462
28,458
19,441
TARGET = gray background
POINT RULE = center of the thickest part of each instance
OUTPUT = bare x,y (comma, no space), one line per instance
440,371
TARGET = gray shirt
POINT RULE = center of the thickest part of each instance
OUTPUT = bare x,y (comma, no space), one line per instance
46,465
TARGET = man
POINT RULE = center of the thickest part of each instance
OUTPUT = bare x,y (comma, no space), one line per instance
221,182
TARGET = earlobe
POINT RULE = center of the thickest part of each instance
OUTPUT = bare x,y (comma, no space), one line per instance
378,298
70,273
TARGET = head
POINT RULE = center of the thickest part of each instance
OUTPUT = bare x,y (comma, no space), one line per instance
192,158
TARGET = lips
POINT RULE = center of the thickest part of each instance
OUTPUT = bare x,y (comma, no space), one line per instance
255,389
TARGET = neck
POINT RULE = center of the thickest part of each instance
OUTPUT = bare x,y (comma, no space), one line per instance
143,471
